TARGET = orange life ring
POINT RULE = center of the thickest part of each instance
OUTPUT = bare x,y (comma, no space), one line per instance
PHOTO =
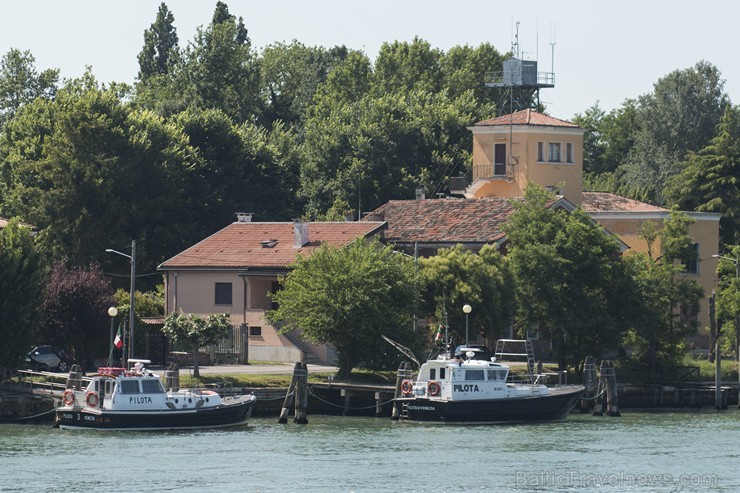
406,387
91,399
69,397
433,388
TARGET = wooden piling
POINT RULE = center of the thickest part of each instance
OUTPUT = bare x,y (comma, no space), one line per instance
611,389
600,391
301,393
283,419
590,382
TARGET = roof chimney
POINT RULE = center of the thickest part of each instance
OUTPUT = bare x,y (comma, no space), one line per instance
244,217
420,193
300,233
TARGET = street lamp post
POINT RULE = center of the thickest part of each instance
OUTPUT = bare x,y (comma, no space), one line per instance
737,321
467,309
132,258
112,312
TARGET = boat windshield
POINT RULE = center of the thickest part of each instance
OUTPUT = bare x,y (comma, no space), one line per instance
152,386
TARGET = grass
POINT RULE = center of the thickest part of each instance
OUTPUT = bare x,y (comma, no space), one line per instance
728,368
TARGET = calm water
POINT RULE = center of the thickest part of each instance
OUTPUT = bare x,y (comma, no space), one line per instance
638,452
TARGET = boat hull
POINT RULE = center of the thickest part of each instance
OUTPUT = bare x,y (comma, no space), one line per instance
554,406
234,412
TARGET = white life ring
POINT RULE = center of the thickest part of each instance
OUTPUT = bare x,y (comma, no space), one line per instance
91,399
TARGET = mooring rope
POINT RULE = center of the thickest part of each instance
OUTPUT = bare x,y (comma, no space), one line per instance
594,397
310,389
31,417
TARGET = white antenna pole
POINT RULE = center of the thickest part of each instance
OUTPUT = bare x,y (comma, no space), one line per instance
552,47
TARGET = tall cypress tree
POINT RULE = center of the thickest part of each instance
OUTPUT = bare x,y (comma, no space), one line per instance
160,49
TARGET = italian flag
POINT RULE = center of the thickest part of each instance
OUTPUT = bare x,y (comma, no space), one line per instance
118,342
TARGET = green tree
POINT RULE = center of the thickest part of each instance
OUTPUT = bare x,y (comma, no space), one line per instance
455,277
75,311
708,181
160,51
680,115
20,83
608,137
221,70
21,292
196,331
664,304
382,147
728,298
348,297
102,174
569,279
290,76
403,67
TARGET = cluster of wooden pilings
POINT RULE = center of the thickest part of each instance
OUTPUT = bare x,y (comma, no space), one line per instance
601,391
298,392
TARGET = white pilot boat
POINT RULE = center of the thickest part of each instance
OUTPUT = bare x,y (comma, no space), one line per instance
120,399
451,389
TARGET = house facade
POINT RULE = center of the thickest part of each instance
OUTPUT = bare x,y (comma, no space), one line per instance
235,270
511,151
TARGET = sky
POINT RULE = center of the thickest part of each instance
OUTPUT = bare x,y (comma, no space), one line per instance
604,52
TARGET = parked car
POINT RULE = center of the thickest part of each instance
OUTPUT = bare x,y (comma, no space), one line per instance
48,358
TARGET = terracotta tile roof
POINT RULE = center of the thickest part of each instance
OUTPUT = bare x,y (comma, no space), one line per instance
239,245
609,202
526,117
444,220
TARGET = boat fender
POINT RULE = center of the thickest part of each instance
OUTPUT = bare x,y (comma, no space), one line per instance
69,397
91,399
433,388
406,387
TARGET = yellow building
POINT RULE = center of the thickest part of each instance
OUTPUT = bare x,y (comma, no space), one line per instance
511,151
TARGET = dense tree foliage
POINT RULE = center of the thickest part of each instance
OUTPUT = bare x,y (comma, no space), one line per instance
349,297
569,279
455,277
664,304
75,311
21,292
196,331
20,83
728,298
709,180
636,150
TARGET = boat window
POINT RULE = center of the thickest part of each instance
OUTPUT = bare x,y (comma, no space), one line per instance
432,374
502,374
474,375
492,374
441,373
151,387
129,386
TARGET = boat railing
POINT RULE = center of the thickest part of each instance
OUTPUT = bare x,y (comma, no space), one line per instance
542,378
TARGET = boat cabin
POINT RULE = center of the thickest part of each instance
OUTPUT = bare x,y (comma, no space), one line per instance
473,379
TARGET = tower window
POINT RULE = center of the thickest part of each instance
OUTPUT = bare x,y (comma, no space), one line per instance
553,152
